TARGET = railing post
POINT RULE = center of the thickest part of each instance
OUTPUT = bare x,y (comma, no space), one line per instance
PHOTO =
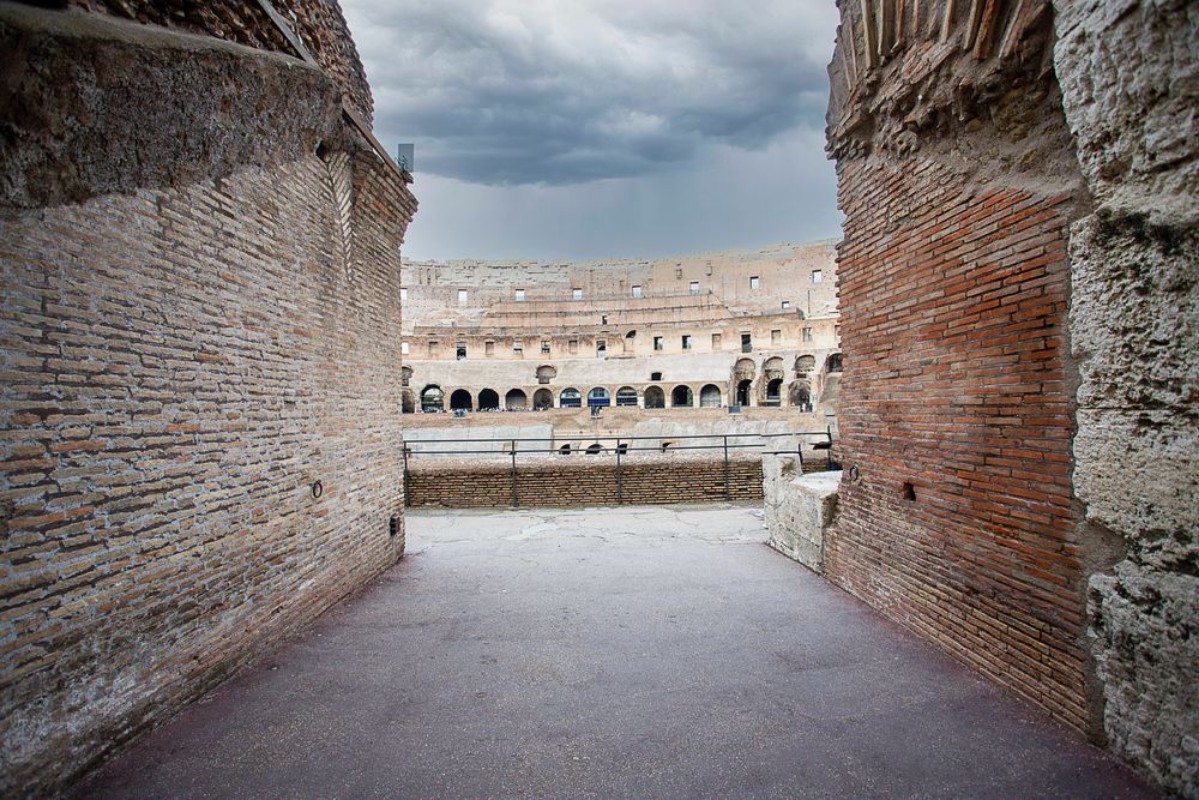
515,498
619,477
407,497
727,494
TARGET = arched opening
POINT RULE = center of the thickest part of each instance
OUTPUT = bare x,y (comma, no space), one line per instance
543,399
773,392
743,389
595,449
682,396
546,373
564,450
709,396
405,375
489,400
461,400
805,364
431,399
516,400
598,397
834,363
626,396
570,398
800,395
629,341
655,397
407,402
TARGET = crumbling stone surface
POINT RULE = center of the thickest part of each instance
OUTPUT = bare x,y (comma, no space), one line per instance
1129,73
799,508
95,106
318,23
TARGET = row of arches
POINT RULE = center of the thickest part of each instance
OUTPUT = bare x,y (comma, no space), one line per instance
434,399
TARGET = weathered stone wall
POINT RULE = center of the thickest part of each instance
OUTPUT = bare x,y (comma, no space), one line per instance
1130,90
799,507
580,480
185,356
319,25
1018,292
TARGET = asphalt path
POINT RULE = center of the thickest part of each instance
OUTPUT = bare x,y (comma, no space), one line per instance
659,652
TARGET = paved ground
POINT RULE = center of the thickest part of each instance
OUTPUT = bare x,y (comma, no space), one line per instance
638,653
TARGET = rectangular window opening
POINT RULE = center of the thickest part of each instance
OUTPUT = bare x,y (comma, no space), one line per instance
686,341
754,283
520,295
658,343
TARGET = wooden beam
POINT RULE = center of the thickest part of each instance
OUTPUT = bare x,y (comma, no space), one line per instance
286,30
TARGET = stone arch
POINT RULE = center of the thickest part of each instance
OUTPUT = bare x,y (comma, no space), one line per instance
626,396
745,368
804,364
682,396
655,397
432,398
598,397
543,399
460,400
516,400
710,396
546,373
744,391
489,400
570,398
595,449
407,402
630,339
774,388
405,375
799,395
833,364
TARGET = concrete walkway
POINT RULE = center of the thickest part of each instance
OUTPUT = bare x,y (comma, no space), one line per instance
606,653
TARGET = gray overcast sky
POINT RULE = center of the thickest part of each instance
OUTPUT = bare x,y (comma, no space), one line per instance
576,129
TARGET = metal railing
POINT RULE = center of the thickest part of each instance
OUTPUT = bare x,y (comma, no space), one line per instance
624,447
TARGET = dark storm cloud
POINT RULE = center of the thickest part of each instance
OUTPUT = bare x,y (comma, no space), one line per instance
566,91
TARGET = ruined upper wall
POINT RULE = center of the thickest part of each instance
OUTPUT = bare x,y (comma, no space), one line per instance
931,76
318,23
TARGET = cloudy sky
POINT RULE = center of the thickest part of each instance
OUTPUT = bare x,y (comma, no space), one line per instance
580,129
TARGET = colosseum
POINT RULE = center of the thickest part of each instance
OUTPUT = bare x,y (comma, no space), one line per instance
707,331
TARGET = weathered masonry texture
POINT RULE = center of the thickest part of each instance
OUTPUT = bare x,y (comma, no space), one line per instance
1018,298
200,322
556,482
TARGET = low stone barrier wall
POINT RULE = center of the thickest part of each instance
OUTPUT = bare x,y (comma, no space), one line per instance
799,508
582,480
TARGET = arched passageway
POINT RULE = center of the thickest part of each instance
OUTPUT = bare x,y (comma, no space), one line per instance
626,397
432,398
489,400
407,402
773,392
543,399
800,395
598,398
682,397
570,398
743,392
655,397
709,396
516,400
460,400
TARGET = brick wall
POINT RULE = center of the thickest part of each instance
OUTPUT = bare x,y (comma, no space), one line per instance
955,322
582,480
180,367
959,183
